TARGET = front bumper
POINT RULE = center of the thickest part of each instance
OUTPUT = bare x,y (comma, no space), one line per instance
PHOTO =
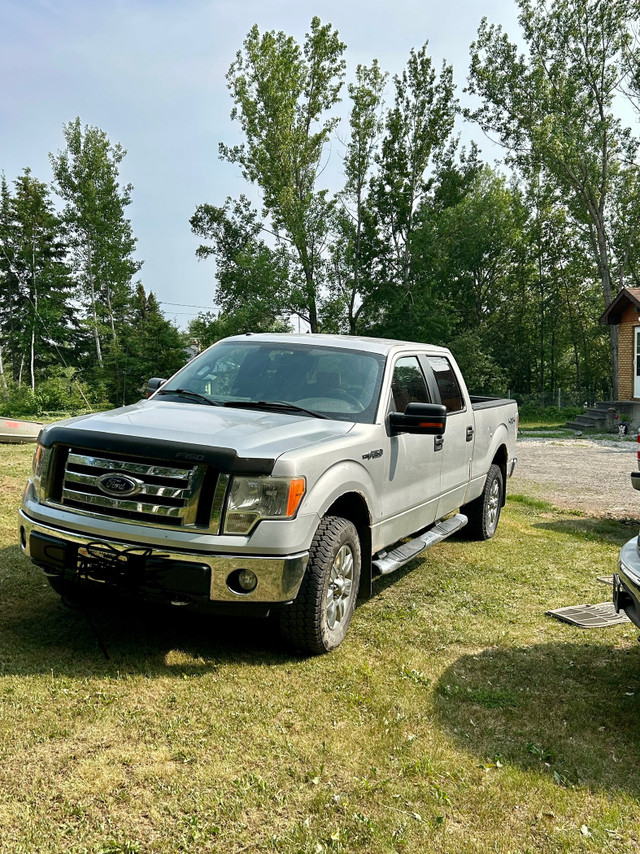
161,573
626,583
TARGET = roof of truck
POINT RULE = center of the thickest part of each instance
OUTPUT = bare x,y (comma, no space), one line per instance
351,342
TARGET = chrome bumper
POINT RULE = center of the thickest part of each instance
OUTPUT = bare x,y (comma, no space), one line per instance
278,577
511,466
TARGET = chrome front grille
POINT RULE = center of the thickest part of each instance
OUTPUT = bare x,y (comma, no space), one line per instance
167,495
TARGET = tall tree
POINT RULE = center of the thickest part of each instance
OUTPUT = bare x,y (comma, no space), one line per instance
35,282
86,175
355,246
554,107
477,238
283,96
148,345
253,278
418,130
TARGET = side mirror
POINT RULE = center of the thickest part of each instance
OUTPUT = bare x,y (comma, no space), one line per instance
429,419
153,385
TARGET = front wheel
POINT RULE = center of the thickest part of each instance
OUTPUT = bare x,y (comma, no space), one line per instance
318,619
484,512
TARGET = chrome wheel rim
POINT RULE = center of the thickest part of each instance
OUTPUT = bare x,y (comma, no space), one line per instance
493,505
340,589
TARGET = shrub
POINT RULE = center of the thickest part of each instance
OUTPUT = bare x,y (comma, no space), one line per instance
61,392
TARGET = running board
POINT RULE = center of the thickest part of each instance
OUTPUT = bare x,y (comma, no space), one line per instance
390,561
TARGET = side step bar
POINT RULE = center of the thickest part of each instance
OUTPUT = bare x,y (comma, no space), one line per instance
386,562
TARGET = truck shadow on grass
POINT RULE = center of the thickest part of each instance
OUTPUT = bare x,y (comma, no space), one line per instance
613,531
570,710
40,634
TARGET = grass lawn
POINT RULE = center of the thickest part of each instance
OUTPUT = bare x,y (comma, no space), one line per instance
456,717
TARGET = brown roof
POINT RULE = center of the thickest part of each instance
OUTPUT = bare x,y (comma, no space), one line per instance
623,299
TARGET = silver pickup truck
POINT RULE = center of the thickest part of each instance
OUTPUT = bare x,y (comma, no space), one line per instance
273,473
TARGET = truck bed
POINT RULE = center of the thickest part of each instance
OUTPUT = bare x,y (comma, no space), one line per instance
487,402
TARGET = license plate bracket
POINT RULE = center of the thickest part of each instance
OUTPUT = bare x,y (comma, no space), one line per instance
106,562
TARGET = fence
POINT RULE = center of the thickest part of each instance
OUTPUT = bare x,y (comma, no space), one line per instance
559,399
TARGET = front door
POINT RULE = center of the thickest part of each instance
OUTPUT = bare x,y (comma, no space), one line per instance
636,363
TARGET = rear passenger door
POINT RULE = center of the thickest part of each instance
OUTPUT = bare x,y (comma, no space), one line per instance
412,474
458,439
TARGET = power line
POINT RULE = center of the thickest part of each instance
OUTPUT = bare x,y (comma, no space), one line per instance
187,305
187,313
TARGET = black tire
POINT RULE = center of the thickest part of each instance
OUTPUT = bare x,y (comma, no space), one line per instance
317,621
484,512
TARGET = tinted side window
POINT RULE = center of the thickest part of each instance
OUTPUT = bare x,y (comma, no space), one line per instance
408,385
450,393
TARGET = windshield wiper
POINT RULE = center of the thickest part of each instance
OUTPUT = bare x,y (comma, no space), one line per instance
274,406
186,392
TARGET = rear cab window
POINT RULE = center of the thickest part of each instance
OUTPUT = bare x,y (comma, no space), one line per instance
447,382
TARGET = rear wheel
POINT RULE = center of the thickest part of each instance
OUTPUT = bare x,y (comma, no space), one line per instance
484,512
318,619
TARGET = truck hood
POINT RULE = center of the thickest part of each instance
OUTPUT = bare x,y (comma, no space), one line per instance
237,433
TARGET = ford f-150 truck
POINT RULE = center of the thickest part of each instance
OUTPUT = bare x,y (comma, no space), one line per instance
273,473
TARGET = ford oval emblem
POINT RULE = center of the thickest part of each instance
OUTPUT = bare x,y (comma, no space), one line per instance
119,485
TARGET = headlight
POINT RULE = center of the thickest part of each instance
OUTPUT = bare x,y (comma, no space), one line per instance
252,499
39,469
38,458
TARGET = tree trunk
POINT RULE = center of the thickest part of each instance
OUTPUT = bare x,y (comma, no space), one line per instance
602,260
307,269
111,319
34,318
32,366
96,333
3,379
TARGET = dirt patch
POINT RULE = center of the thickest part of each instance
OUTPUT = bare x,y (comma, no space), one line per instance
592,476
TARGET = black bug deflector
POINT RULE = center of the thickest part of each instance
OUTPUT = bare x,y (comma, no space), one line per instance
224,459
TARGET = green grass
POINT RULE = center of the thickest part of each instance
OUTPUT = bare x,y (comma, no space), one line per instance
548,418
546,432
456,716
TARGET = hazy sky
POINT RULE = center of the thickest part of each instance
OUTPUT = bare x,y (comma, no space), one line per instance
151,74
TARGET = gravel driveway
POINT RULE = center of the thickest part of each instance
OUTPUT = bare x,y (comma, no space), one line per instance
591,475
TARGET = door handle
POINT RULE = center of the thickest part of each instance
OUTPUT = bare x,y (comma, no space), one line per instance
438,442
469,434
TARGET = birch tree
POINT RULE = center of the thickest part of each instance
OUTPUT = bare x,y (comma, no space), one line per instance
86,175
35,282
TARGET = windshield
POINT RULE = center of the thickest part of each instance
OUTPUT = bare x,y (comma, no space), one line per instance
336,383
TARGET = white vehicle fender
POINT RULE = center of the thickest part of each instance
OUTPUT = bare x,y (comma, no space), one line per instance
486,448
342,478
500,437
